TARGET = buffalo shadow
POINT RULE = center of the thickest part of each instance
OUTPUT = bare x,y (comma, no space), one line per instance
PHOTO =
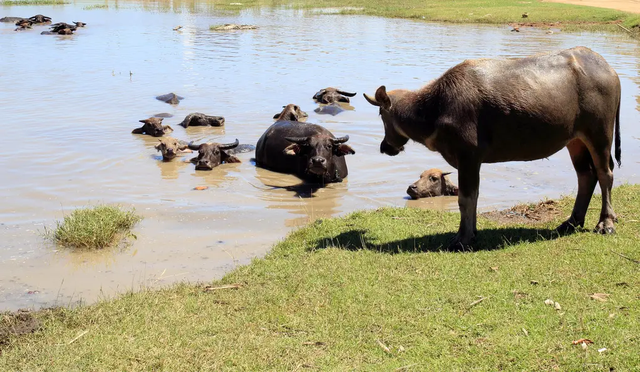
486,240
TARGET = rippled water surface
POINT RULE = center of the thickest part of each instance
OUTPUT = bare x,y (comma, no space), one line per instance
69,103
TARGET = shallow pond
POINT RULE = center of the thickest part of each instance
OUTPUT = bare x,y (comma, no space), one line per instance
69,104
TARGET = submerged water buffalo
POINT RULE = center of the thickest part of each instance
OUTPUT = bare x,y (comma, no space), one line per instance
153,127
291,112
60,28
170,147
309,151
11,19
79,24
39,19
432,182
212,154
170,98
198,119
490,111
331,95
332,109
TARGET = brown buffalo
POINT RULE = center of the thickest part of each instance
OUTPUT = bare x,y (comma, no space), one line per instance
170,98
490,111
212,154
432,182
170,147
291,112
153,127
198,119
39,19
331,95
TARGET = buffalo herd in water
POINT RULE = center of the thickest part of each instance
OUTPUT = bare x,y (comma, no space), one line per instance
60,28
309,151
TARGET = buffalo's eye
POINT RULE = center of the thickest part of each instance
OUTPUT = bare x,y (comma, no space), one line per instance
432,178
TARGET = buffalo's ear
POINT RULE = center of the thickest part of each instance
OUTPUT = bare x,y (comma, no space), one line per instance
276,115
292,149
183,147
230,158
138,130
344,149
158,147
382,98
193,160
167,128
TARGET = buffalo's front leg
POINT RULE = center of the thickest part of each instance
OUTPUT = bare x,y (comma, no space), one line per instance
468,185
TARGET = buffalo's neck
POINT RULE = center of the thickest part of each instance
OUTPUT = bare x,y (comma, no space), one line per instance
417,113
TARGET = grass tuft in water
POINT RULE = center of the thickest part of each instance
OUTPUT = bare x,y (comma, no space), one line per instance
96,227
96,6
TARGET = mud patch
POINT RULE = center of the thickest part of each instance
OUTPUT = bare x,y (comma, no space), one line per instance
544,211
17,323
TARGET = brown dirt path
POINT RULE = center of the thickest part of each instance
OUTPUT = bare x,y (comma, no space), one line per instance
632,6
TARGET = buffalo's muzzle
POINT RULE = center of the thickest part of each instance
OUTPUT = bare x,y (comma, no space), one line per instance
386,148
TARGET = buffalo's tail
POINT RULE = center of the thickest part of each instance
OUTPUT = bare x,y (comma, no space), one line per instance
618,151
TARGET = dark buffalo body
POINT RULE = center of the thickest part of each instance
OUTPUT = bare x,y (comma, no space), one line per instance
307,150
488,111
11,19
199,119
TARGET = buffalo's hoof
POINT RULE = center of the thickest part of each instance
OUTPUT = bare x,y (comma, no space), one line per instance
461,243
605,228
568,227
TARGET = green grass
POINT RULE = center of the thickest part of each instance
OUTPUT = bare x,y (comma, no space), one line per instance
456,11
33,2
373,291
96,6
96,227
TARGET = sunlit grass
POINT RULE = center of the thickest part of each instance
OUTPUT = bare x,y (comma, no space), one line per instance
95,227
374,291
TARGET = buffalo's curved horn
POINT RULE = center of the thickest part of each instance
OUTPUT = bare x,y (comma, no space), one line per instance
371,100
346,93
194,147
298,140
446,173
340,139
228,146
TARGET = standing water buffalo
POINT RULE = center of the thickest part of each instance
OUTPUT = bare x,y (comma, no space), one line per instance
291,112
170,98
153,126
198,119
331,95
432,182
212,154
309,151
490,111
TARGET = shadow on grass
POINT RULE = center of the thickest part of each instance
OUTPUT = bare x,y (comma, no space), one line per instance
486,239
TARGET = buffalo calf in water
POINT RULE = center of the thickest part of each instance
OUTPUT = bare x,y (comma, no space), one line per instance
153,127
432,182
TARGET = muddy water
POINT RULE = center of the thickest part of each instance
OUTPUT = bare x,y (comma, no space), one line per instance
68,105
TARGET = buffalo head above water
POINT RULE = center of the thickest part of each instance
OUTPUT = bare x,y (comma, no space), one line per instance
291,112
212,154
432,182
319,151
153,127
170,147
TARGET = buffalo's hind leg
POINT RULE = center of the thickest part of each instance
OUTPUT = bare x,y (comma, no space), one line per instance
604,170
587,179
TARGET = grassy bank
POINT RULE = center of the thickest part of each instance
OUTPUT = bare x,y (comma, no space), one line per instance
373,291
464,11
